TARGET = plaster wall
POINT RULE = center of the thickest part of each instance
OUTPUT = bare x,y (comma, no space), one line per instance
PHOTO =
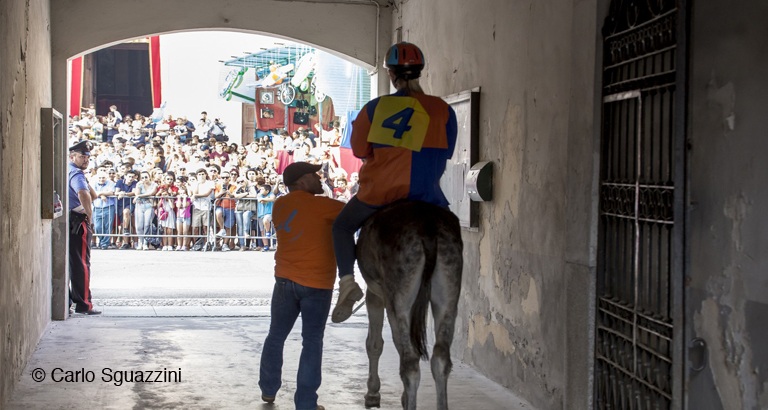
526,294
728,242
25,239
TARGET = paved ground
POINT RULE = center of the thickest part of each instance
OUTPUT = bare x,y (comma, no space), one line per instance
140,275
156,283
217,357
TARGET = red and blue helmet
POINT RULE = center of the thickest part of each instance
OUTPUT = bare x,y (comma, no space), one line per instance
405,59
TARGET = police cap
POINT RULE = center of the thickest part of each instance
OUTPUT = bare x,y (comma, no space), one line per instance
83,147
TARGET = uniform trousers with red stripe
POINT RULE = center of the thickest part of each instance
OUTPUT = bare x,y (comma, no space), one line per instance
80,236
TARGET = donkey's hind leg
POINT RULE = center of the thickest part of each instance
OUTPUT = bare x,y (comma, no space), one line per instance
446,285
441,354
374,345
410,373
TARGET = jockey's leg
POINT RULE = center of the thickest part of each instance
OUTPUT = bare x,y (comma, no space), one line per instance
349,220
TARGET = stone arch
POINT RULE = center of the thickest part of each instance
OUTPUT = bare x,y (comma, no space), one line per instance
357,31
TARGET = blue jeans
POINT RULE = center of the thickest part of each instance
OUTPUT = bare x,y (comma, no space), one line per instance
350,219
229,217
289,299
243,219
103,218
144,215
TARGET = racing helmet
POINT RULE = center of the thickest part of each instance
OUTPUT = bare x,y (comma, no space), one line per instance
405,59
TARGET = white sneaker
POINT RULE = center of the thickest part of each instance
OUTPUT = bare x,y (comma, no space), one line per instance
221,232
349,293
225,248
145,247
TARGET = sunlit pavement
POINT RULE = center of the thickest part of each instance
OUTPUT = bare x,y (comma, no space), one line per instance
129,275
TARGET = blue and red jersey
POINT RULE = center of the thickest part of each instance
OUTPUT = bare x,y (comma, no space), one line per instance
405,140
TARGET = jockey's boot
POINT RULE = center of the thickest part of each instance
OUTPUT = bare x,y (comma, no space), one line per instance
349,293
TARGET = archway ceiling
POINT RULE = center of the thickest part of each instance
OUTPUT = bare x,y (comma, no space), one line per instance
344,28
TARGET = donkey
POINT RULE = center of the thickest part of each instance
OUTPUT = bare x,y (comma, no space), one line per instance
410,255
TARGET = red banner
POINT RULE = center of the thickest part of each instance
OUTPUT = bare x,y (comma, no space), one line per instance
76,86
349,162
154,71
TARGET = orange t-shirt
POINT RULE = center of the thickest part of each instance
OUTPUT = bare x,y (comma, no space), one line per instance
303,224
228,203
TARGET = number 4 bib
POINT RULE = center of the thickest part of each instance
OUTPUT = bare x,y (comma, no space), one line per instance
399,122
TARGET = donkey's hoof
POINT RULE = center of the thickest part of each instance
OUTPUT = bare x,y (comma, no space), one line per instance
372,401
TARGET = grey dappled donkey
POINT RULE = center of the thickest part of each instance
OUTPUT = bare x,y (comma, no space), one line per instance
410,254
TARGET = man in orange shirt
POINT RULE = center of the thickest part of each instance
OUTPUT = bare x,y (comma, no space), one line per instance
305,271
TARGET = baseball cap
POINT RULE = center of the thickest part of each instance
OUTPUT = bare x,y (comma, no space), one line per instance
297,170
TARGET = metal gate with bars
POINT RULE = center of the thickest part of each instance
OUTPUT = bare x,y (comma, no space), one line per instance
638,308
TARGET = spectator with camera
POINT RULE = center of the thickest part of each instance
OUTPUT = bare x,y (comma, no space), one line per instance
189,128
204,124
217,131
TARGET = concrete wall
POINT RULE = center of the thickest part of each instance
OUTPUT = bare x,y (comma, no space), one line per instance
728,241
25,241
526,294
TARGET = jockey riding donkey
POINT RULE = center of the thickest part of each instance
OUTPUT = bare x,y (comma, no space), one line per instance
405,140
411,251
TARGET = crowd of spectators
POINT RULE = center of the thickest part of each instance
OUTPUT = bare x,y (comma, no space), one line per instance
173,184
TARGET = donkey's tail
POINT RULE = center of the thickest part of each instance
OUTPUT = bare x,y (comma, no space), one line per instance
421,305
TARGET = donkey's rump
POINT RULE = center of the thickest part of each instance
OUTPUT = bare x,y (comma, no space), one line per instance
406,232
